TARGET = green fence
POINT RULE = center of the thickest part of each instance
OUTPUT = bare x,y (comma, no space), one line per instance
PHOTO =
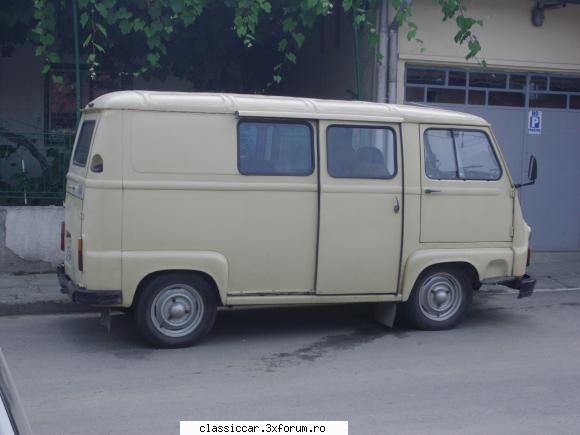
33,166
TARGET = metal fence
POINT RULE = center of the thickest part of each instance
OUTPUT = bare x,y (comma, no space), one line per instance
33,166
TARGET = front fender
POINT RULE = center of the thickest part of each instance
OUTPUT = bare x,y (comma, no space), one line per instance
487,262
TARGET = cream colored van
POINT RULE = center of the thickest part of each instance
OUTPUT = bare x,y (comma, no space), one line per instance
180,203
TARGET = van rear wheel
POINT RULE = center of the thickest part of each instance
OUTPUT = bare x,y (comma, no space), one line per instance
176,309
440,298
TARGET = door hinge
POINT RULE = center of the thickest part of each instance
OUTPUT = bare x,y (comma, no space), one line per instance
512,232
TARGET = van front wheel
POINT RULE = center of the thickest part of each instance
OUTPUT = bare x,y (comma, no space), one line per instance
440,298
176,310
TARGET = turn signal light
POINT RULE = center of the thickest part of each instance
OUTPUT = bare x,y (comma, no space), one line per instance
62,236
80,254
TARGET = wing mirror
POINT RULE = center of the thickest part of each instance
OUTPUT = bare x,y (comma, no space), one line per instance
532,172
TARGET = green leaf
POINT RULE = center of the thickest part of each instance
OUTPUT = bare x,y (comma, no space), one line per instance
291,57
138,24
46,68
153,59
101,29
87,40
99,47
299,39
125,26
53,57
282,44
101,9
277,78
84,18
288,25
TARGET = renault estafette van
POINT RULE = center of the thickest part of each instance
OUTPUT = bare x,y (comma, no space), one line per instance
178,203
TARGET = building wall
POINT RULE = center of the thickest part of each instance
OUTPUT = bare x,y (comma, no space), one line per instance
509,39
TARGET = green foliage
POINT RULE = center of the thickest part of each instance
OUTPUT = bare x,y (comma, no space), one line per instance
154,26
456,9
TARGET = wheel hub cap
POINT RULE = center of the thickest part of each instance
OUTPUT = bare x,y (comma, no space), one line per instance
440,296
177,310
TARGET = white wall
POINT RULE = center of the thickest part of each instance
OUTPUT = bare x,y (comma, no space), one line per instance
29,234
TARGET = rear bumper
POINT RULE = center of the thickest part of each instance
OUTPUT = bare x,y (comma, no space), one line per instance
525,284
97,298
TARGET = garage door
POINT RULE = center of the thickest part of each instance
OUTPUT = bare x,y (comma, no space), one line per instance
505,99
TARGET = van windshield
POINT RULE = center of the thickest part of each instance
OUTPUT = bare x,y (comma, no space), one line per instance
84,143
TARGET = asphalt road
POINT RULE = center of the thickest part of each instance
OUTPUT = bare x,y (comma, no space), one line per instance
513,367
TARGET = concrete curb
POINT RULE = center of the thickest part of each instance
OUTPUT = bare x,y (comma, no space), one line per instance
44,307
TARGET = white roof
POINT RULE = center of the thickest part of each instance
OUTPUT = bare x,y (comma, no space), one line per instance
286,107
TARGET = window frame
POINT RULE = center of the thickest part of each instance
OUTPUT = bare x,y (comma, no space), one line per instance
375,127
74,154
459,171
278,121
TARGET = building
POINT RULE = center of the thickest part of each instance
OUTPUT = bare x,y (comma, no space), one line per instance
531,68
530,92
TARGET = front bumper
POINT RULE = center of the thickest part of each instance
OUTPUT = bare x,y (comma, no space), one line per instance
79,295
525,284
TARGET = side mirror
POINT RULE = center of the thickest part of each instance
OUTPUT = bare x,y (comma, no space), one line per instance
532,172
533,168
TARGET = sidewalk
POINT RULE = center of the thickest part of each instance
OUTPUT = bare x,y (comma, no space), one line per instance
40,293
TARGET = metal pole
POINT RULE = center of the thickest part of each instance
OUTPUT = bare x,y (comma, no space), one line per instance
77,60
357,63
383,52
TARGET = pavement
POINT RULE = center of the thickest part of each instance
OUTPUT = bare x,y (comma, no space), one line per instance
39,293
511,367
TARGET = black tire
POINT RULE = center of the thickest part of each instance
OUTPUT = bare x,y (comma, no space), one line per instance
176,309
440,298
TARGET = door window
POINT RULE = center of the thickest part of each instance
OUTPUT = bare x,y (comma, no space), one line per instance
361,152
452,154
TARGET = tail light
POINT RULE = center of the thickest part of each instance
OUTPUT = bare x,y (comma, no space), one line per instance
62,236
80,254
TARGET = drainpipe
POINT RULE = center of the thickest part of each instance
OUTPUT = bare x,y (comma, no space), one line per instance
382,61
393,58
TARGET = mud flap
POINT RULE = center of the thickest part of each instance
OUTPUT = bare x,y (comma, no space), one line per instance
385,313
105,319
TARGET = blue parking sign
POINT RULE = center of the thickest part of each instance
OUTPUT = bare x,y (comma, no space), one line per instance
535,122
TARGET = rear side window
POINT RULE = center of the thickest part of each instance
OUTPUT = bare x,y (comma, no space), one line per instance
84,143
452,154
361,152
275,148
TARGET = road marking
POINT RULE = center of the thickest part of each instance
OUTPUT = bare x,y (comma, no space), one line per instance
538,290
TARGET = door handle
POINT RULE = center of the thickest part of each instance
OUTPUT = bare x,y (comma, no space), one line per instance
432,191
397,207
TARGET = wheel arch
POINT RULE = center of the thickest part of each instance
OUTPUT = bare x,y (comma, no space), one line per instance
416,267
139,268
151,276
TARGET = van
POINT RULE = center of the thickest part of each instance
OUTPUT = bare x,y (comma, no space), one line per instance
179,203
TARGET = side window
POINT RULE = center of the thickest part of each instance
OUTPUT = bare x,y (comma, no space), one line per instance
275,148
84,143
460,155
360,152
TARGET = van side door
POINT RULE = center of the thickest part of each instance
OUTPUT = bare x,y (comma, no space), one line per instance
466,193
361,187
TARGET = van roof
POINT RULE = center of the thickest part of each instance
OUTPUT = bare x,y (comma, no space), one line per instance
286,107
